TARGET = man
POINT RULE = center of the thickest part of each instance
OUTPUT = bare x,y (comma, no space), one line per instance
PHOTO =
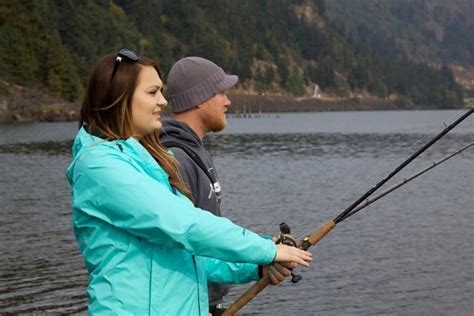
196,91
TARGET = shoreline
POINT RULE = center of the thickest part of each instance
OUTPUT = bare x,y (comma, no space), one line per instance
250,104
21,105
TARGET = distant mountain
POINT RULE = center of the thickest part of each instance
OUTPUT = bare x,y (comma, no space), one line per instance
430,31
275,46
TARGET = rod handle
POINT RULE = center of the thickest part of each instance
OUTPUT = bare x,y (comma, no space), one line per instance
322,231
247,296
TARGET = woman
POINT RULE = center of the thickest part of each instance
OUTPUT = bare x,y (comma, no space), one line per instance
146,248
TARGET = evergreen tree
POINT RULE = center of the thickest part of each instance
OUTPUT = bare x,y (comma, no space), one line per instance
295,82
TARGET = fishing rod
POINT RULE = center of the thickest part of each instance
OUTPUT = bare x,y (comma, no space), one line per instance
403,165
329,225
323,230
405,181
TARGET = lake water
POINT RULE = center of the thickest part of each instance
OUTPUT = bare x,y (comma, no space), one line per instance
411,253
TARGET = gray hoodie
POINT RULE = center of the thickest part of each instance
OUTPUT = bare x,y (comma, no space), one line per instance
206,194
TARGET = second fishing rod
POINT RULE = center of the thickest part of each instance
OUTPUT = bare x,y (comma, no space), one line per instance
326,227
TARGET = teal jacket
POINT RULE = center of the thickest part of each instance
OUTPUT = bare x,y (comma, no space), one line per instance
148,250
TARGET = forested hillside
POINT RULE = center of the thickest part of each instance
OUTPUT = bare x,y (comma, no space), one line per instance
275,46
429,31
434,30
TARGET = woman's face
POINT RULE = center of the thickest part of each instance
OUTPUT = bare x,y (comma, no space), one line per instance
147,102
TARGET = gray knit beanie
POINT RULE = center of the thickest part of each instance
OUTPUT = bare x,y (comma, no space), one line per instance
194,80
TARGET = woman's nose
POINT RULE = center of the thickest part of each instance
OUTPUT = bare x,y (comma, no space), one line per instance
162,101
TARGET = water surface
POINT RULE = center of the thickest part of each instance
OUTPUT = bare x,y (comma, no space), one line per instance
412,253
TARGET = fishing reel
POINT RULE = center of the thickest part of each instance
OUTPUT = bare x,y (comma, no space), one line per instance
285,238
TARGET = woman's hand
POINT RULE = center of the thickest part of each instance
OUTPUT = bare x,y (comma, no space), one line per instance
287,258
292,254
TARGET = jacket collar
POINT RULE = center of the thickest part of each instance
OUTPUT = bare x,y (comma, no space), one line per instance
130,146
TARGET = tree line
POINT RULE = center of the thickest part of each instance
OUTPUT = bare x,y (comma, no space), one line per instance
283,46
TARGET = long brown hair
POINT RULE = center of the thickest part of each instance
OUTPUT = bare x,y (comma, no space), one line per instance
106,110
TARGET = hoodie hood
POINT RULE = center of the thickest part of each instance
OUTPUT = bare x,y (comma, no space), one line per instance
179,131
81,141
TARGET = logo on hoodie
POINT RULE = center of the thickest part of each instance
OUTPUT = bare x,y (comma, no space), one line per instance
216,188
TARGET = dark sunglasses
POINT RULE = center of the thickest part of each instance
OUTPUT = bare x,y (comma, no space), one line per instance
124,54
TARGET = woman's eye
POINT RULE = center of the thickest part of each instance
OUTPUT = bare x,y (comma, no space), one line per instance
153,92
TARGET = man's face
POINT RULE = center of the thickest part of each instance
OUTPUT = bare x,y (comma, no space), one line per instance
213,112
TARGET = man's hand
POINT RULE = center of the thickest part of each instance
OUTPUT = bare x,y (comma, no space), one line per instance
277,272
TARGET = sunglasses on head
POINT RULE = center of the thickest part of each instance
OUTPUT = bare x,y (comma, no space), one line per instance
126,54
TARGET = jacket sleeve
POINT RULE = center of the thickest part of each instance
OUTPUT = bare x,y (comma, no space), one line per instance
107,186
219,271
